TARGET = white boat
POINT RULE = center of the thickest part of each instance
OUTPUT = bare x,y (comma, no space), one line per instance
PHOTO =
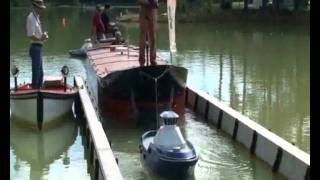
44,107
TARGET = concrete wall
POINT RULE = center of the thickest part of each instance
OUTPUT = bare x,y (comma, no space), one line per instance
282,156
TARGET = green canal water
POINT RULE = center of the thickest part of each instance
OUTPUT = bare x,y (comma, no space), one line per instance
261,70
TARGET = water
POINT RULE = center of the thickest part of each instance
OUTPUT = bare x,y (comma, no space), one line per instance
261,70
219,156
55,153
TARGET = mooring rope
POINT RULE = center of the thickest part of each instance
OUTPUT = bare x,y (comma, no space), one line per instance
155,87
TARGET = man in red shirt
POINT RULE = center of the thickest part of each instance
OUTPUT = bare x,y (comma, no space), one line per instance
98,28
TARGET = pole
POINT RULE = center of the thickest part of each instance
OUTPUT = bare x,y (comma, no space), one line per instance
127,41
156,94
171,10
147,49
15,83
65,84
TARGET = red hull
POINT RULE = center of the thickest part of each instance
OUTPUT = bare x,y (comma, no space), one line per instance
125,112
125,92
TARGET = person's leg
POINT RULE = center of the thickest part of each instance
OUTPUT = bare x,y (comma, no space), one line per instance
142,36
33,78
40,67
152,36
35,61
100,36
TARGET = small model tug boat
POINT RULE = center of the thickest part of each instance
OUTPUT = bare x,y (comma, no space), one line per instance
42,107
166,151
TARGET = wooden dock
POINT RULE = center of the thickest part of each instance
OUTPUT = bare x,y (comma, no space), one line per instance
102,158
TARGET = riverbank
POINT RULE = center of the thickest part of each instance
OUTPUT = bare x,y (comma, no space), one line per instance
218,15
228,17
213,14
249,16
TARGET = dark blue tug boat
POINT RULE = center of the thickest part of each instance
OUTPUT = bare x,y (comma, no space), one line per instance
165,150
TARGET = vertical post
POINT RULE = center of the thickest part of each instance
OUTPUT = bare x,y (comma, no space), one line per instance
156,94
127,42
15,83
264,4
147,49
275,4
128,49
245,8
65,83
78,108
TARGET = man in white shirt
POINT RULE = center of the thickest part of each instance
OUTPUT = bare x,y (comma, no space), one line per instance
37,37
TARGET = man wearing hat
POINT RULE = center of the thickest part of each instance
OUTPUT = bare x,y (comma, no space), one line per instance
147,19
37,37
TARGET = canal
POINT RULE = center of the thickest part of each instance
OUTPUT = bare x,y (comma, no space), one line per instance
261,70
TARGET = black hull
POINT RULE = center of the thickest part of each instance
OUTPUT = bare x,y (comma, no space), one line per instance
141,82
159,163
171,170
78,53
130,94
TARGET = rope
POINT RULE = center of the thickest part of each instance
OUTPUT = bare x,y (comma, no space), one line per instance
158,77
156,88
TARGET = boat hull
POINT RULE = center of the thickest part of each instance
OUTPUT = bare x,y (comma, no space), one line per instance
160,163
129,95
78,53
40,109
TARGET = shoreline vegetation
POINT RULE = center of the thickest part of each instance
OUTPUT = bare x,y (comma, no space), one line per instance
225,17
203,14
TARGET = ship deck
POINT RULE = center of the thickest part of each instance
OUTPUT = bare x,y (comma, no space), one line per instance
108,59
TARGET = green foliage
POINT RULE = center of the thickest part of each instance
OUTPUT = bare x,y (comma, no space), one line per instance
19,2
197,6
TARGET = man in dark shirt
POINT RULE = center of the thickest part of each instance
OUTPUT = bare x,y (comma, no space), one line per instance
98,26
105,18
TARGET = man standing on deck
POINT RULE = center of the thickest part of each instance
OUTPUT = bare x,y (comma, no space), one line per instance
34,32
147,19
105,18
98,26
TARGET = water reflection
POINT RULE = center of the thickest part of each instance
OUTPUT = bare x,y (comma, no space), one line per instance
220,157
259,71
38,150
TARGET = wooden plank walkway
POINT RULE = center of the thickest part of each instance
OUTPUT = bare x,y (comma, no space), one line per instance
106,166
